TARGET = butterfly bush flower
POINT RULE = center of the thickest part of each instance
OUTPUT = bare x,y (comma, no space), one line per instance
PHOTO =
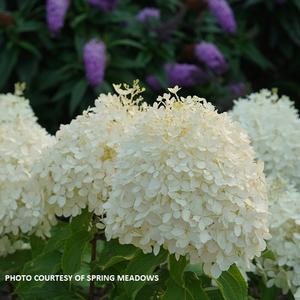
210,55
273,125
185,75
282,269
186,181
76,172
94,56
56,12
224,15
22,141
147,13
105,5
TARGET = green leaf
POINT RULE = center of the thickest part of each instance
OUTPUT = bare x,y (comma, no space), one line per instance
73,251
8,60
214,294
176,268
175,291
37,245
142,264
255,55
193,285
113,253
195,268
13,263
59,234
232,284
126,42
77,94
30,48
82,221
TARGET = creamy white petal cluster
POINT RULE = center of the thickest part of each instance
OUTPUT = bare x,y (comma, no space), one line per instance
283,270
273,126
76,172
185,180
21,143
13,107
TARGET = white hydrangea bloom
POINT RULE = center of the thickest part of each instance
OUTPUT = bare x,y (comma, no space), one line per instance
21,143
283,270
273,126
186,181
13,107
9,246
76,172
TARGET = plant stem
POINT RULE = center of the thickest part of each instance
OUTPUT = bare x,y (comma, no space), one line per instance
93,258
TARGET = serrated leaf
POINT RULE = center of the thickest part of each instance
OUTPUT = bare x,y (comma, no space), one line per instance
232,284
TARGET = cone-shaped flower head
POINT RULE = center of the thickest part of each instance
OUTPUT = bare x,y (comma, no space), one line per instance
224,15
56,12
185,75
94,56
186,180
282,269
211,56
22,141
273,125
76,172
105,5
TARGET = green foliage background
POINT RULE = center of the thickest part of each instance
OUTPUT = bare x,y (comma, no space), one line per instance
263,52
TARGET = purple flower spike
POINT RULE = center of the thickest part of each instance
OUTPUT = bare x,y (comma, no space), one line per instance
105,5
148,12
211,56
94,56
237,89
224,15
185,75
56,12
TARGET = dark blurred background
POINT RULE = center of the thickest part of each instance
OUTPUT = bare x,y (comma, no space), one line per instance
69,51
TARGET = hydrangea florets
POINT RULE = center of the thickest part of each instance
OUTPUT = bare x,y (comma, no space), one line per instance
186,180
282,267
273,126
22,141
76,172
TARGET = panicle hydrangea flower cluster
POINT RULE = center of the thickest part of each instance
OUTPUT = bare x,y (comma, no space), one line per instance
94,56
56,12
273,126
22,141
282,268
224,15
76,171
186,181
